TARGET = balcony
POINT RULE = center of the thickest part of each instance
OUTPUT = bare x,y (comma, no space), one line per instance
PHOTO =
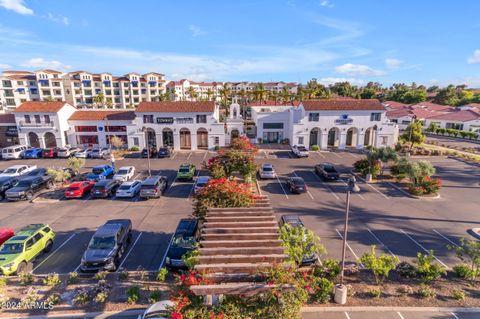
35,124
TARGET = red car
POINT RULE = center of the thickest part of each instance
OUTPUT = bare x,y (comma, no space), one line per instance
5,234
78,189
50,153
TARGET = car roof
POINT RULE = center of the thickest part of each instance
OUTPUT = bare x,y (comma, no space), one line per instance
186,226
185,165
76,184
296,178
100,166
129,183
203,178
29,230
151,180
108,229
16,166
328,164
7,178
267,165
104,182
125,167
30,178
292,220
159,306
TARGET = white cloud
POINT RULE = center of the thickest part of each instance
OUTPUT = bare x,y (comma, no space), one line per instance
393,63
58,18
17,6
327,4
41,63
475,58
196,30
332,80
358,70
4,66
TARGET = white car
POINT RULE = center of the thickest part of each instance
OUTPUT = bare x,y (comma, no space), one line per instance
267,171
200,183
85,153
129,189
67,152
17,170
158,310
300,151
124,174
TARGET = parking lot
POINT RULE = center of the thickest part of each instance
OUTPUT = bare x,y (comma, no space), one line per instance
381,214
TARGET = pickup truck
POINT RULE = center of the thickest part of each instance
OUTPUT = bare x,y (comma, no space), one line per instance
300,151
107,246
27,187
17,170
100,172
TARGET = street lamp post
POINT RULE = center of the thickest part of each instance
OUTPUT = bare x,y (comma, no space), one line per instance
340,289
145,135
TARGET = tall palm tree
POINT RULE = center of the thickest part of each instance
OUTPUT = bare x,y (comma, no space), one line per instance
285,95
192,93
209,94
259,92
99,99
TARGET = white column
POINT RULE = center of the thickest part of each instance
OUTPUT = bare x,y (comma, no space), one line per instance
343,140
176,140
324,140
41,140
360,140
193,136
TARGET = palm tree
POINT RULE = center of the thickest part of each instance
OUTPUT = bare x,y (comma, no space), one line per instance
99,99
209,94
272,95
285,95
192,93
259,92
109,103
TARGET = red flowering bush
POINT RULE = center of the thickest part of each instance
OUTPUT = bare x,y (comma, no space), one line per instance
364,167
425,186
242,143
228,162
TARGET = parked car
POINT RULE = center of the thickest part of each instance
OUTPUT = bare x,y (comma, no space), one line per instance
5,234
124,173
184,239
153,186
78,189
33,153
153,152
296,185
327,171
17,170
67,152
7,182
13,152
36,172
25,246
200,183
164,152
159,310
104,188
300,151
28,186
267,171
50,152
100,153
295,222
85,153
186,172
129,189
107,246
70,172
100,172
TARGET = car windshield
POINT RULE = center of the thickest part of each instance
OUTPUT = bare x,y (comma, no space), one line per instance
10,171
183,241
298,182
201,184
329,169
148,186
184,170
301,148
122,172
97,171
24,183
102,242
11,248
163,150
157,314
125,187
267,169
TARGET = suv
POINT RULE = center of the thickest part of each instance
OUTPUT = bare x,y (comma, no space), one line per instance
183,241
104,188
100,153
29,186
152,153
201,182
295,221
164,152
267,171
7,182
327,171
186,172
153,186
28,243
50,152
300,151
100,172
107,246
67,152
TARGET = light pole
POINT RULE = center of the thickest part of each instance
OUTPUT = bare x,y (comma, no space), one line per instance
340,289
145,135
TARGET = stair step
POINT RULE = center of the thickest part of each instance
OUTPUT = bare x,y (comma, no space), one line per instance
240,213
226,218
248,268
241,243
241,251
238,224
218,259
241,230
237,209
247,236
234,289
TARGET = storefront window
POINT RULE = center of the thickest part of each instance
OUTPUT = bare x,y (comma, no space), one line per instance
87,139
85,128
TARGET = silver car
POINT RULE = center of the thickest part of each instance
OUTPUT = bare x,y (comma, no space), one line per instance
267,171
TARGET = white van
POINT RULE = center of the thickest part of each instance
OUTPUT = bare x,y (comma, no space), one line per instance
13,152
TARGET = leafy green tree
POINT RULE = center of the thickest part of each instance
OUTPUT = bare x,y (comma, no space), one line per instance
447,96
343,89
420,170
385,155
414,133
427,268
75,163
300,242
469,252
99,99
379,265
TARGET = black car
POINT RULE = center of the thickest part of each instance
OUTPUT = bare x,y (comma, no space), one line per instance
153,186
29,186
295,222
107,246
7,182
184,240
105,188
164,152
327,171
37,172
296,185
153,152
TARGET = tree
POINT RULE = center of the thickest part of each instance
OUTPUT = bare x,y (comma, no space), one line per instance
469,252
386,154
99,99
285,95
300,242
379,265
343,89
209,94
414,134
259,92
447,96
192,93
58,175
116,142
420,170
75,163
109,103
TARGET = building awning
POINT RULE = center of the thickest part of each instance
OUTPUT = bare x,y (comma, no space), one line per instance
106,82
43,81
134,82
21,90
97,90
152,82
86,81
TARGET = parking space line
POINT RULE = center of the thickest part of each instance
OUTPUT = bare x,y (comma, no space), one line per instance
399,189
328,187
171,185
282,187
350,248
165,255
400,315
189,154
205,156
345,183
363,180
346,315
321,155
444,237
454,315
290,154
129,251
51,254
423,248
174,155
308,192
87,198
337,155
381,243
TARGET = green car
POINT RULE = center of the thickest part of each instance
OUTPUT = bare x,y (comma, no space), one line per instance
22,248
186,171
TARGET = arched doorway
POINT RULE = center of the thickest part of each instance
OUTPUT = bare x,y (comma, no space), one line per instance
33,140
369,136
352,135
50,140
151,138
235,133
202,138
333,137
167,137
185,139
315,136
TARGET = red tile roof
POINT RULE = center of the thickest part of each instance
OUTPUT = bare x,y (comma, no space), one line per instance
342,105
458,116
433,106
174,107
50,71
273,103
7,119
97,115
394,105
37,106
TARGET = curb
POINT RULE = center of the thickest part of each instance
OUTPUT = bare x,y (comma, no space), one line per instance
83,315
393,309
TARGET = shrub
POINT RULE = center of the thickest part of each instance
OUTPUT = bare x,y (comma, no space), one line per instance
58,175
427,268
376,292
190,259
406,270
330,268
3,281
162,274
75,163
53,299
52,280
81,297
133,294
216,148
425,291
380,266
30,297
242,143
26,279
101,297
101,275
314,148
323,289
154,297
134,149
300,242
364,167
425,187
405,290
464,271
123,275
458,294
72,277
469,252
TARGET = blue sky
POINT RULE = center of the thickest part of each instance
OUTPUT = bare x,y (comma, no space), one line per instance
429,42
